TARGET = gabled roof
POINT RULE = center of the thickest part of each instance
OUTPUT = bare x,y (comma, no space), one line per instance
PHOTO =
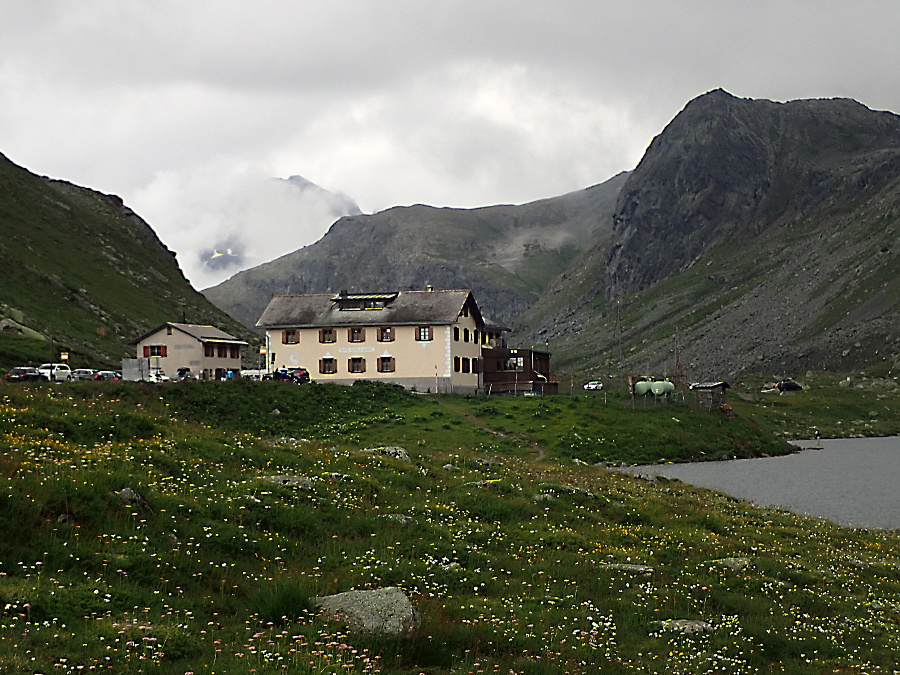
198,332
407,308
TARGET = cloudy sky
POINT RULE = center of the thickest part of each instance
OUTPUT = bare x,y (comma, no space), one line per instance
187,108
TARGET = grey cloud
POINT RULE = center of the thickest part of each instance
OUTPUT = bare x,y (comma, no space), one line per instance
181,108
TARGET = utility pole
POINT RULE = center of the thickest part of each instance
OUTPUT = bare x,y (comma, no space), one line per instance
618,332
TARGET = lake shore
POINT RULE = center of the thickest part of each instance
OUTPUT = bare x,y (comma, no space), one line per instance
848,481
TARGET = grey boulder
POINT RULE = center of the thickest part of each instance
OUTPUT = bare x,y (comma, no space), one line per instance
384,610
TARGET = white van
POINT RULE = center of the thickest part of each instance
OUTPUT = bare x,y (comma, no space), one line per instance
55,372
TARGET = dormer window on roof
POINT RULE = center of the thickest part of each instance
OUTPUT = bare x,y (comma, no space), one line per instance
358,301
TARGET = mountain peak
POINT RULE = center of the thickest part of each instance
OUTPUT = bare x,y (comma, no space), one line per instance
342,205
717,171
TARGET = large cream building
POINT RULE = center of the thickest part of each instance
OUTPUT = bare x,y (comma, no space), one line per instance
428,340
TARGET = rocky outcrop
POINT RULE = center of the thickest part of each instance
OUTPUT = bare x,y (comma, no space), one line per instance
733,564
135,500
289,481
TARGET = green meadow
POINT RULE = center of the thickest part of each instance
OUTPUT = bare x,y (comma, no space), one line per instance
142,535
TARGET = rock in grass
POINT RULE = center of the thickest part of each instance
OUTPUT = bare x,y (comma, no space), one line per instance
551,491
487,462
134,499
384,610
394,451
289,481
686,626
734,564
574,490
398,518
628,567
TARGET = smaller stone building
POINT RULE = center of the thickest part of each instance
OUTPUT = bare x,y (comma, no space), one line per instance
208,351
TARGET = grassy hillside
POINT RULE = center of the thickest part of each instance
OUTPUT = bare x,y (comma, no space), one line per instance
518,559
80,272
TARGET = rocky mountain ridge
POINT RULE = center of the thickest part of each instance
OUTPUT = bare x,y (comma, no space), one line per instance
752,236
506,254
736,169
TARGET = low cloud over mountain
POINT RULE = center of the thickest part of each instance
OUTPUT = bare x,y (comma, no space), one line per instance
227,224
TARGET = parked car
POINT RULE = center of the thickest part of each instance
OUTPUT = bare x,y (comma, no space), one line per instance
295,375
55,372
107,376
157,376
24,374
781,386
593,385
84,373
788,385
182,374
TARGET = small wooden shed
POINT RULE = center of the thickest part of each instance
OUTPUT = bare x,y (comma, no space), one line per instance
710,395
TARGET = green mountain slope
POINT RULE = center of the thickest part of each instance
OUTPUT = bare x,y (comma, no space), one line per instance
81,272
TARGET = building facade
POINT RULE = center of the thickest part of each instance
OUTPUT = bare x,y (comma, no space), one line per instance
208,351
430,341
